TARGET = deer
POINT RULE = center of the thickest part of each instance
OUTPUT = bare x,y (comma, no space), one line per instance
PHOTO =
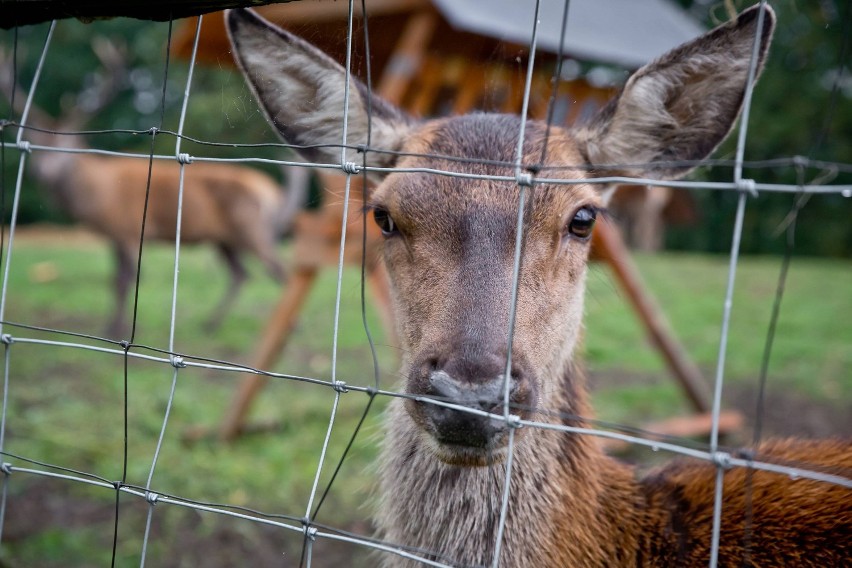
644,211
449,246
235,208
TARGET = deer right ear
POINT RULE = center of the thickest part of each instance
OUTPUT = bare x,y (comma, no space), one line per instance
302,89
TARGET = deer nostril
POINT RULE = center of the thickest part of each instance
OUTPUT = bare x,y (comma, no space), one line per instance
517,374
429,366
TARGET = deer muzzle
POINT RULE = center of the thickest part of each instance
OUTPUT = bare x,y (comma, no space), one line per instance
463,401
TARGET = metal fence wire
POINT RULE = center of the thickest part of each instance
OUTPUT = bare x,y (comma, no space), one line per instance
17,144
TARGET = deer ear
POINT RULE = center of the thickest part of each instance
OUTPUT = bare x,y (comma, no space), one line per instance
679,107
301,91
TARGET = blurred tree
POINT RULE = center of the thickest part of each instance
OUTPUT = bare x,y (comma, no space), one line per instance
801,107
221,108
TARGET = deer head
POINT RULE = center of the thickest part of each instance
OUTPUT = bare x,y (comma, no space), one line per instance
77,108
450,241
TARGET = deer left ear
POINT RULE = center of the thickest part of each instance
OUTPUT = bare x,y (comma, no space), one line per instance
302,90
679,107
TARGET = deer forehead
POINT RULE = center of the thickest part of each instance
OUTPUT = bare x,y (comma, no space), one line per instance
483,144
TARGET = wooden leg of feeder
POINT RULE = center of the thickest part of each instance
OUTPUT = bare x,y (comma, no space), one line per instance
611,248
278,328
693,426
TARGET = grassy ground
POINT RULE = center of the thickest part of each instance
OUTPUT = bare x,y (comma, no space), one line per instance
66,405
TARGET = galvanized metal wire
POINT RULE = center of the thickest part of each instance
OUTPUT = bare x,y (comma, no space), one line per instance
174,361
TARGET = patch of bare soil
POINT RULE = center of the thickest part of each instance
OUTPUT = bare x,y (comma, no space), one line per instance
178,537
784,413
789,414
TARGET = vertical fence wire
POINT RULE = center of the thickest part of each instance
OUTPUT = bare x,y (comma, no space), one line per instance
363,284
128,344
339,386
5,338
19,179
4,466
177,362
721,458
525,183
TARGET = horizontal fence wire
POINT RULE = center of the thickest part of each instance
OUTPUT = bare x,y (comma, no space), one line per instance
752,186
184,366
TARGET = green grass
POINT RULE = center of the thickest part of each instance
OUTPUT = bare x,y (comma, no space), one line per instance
66,405
810,356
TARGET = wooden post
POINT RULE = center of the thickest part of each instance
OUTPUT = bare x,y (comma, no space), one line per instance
407,58
272,340
610,247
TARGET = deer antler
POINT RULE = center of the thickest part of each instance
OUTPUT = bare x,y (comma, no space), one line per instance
17,97
108,83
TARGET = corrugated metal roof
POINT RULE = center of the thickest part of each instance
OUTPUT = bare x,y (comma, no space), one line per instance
628,33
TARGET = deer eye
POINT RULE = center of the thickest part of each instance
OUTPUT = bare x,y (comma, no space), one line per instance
583,222
385,222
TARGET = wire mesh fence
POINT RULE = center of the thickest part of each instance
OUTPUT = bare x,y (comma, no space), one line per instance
135,458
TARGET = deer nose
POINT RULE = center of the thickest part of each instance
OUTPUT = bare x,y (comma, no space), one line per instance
477,385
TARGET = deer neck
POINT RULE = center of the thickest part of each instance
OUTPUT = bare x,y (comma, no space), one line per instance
51,168
569,504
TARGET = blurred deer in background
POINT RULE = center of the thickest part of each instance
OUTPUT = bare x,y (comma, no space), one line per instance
644,211
236,208
449,250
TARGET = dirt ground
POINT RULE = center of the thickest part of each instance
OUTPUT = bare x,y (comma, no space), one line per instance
785,413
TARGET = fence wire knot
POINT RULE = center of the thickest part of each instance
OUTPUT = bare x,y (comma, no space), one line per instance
177,362
350,167
6,468
513,421
24,146
525,179
6,339
309,531
153,131
747,185
722,460
152,497
184,158
340,387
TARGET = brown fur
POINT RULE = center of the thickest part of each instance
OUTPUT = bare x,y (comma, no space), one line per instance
793,522
450,257
233,207
224,204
